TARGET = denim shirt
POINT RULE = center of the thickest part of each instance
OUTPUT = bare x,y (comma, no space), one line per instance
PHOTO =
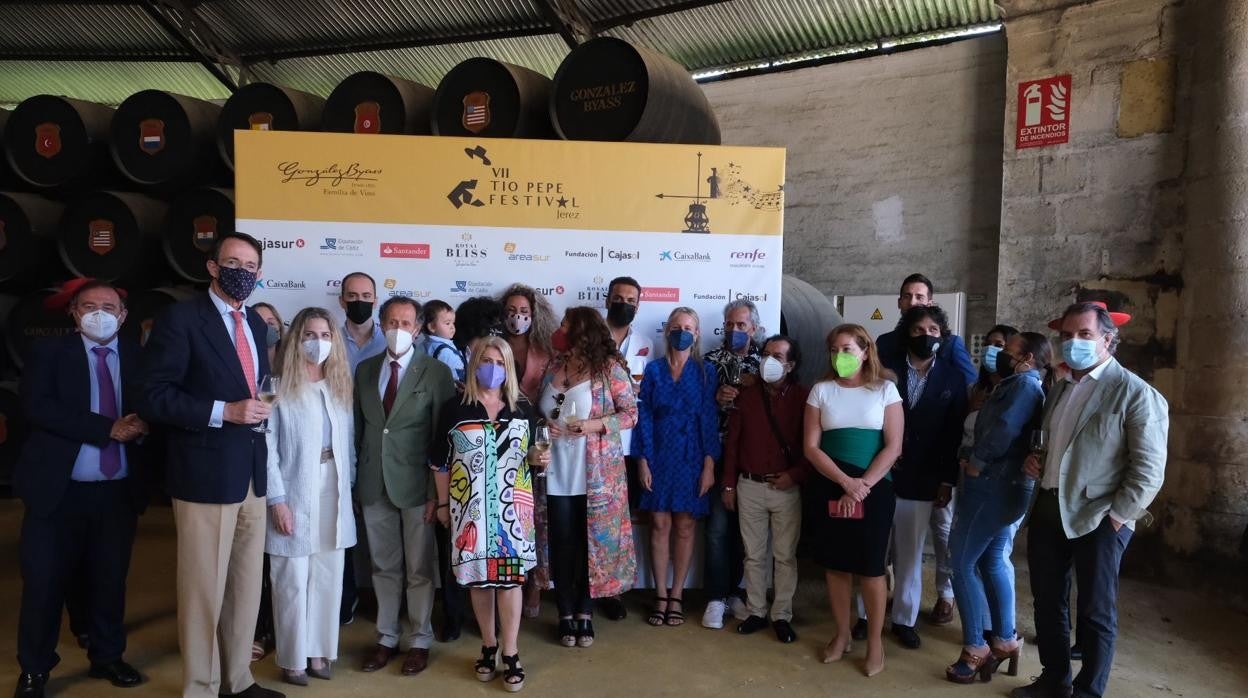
1003,428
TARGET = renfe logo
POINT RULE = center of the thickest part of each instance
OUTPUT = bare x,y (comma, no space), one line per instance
404,250
654,293
752,256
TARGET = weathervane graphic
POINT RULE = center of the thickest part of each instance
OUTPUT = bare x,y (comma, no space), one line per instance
696,221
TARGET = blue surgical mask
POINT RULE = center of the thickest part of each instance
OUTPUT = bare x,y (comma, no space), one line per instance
1080,354
490,376
679,340
990,357
738,340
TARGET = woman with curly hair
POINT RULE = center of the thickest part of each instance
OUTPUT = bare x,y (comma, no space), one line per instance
530,321
586,508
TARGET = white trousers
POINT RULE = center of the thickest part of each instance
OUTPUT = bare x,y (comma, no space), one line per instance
306,595
911,523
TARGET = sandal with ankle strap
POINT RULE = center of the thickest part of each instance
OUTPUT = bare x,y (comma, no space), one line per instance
486,666
675,618
658,618
969,667
513,675
567,632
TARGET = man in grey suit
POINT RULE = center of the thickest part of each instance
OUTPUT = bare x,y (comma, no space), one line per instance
1106,460
398,396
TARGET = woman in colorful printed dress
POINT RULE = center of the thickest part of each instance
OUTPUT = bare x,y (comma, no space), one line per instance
485,497
676,442
591,534
853,429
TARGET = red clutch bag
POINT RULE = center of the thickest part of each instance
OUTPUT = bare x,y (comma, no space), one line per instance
834,510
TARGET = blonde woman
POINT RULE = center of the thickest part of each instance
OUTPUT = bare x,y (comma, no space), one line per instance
311,471
676,441
485,498
852,436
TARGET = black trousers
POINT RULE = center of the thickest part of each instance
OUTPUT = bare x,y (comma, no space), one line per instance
349,591
569,553
1095,559
91,533
452,593
264,618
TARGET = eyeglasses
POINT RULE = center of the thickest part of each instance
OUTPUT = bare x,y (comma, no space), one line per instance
554,414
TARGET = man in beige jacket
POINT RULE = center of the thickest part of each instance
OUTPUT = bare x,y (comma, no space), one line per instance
1106,459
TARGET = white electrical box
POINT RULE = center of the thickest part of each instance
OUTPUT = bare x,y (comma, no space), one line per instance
879,314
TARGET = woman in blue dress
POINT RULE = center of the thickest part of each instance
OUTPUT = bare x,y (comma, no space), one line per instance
676,441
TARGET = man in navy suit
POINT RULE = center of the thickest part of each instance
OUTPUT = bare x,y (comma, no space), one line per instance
934,398
203,367
78,476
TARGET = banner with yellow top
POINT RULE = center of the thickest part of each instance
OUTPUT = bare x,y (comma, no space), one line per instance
439,217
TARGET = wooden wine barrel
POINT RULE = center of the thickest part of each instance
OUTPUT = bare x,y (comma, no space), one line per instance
485,97
261,106
61,142
29,320
807,315
607,89
166,141
8,178
143,307
196,218
28,224
113,236
369,102
13,430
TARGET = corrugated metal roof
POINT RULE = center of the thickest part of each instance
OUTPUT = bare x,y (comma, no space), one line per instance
49,46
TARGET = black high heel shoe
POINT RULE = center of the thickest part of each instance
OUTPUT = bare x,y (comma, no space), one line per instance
567,632
513,675
487,667
585,633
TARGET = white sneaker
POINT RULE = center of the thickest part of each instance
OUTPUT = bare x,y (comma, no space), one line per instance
739,610
714,616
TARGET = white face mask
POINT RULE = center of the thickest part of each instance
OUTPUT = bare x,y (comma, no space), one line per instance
772,369
316,350
99,325
399,341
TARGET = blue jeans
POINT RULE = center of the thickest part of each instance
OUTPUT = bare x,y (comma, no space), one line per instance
723,562
988,513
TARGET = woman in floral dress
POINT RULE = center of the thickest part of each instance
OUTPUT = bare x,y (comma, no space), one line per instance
485,497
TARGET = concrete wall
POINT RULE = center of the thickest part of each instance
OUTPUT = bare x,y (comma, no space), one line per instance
894,166
1145,208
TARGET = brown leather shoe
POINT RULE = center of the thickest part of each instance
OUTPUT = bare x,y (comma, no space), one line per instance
416,662
379,658
942,613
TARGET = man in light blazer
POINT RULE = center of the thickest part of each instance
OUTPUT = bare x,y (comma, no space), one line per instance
398,397
1106,459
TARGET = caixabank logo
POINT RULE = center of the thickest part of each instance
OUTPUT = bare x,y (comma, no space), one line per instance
464,252
684,256
280,285
493,184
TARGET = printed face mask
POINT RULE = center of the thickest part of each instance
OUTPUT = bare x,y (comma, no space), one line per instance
518,324
316,350
923,346
236,282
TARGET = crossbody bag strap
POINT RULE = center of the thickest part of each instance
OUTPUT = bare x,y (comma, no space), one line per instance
775,428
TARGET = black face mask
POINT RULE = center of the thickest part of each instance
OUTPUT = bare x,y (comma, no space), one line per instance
359,312
621,314
923,346
1005,365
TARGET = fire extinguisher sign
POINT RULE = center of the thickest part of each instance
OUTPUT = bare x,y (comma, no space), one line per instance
1043,112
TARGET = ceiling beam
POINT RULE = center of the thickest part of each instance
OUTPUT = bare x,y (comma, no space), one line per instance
631,17
368,46
180,21
566,19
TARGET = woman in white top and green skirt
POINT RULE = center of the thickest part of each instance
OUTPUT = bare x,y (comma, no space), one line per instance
853,430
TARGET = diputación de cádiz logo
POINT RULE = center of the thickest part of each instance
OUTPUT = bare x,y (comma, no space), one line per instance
736,191
502,189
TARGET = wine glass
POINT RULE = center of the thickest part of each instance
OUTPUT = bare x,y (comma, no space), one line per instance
570,418
1039,443
266,392
541,443
733,376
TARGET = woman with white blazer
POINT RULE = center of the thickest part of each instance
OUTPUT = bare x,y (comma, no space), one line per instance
311,471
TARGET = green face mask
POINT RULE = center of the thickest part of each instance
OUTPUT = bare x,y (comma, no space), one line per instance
846,365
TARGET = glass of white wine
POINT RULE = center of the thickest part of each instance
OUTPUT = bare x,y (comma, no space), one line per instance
266,392
570,419
541,444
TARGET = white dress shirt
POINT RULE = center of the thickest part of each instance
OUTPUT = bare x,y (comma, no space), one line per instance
218,406
637,351
384,378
